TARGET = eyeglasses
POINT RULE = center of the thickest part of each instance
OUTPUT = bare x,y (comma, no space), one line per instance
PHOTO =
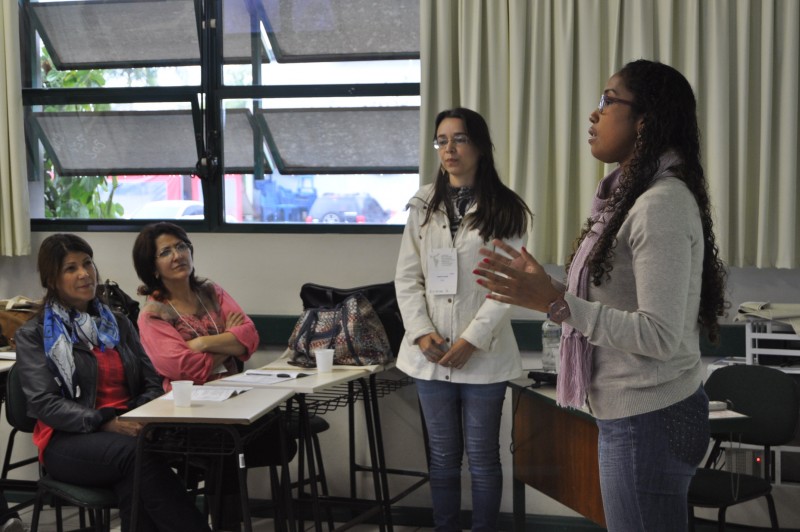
605,101
459,139
180,248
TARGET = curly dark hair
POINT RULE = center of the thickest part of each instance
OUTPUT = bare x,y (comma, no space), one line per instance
500,212
666,102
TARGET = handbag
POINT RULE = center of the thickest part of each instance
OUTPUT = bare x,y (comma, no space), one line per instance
351,328
119,301
381,296
14,313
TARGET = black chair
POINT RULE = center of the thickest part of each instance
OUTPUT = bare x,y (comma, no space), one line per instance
97,501
771,400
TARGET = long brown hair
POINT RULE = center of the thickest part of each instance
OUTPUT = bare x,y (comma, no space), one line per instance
500,212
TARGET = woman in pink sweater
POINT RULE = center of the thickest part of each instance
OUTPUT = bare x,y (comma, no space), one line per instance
192,329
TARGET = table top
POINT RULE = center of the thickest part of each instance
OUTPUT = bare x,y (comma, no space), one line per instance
282,362
5,365
242,409
721,421
313,383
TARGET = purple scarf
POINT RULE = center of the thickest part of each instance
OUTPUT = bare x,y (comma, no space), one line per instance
576,351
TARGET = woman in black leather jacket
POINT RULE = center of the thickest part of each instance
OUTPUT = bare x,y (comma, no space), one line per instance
81,366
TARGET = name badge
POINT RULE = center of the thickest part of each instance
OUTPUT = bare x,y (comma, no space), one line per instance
442,271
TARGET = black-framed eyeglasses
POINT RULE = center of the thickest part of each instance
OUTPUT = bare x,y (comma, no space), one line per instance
606,100
180,248
459,139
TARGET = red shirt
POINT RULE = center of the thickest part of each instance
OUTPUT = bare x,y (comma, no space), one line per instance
112,391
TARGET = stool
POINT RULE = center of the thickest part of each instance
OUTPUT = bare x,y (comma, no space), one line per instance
317,424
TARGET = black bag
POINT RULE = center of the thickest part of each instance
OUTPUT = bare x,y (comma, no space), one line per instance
381,296
119,301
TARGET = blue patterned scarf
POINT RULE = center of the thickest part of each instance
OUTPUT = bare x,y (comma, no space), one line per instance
65,327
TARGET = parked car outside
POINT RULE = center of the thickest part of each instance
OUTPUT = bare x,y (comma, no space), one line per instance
170,210
332,208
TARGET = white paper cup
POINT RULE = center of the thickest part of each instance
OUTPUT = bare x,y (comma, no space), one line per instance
324,360
182,393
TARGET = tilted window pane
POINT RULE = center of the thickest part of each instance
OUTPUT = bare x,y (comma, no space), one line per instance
136,142
342,30
378,139
93,34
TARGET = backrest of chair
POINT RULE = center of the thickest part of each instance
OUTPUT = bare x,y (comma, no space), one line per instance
770,397
16,403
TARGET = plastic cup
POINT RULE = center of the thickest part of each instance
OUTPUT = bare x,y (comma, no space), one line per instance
324,360
182,393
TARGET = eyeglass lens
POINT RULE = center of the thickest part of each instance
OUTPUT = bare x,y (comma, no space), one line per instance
179,248
457,140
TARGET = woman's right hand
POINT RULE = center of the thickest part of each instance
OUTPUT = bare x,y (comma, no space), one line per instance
233,319
128,428
433,347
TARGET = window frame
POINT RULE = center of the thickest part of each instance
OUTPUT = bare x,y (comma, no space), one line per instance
214,92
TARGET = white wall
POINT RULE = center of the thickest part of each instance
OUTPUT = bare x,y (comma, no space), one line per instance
264,273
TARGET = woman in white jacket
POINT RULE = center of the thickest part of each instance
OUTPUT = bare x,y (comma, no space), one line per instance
459,346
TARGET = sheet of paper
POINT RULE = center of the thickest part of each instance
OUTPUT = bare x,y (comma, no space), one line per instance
211,393
8,355
442,278
243,379
723,414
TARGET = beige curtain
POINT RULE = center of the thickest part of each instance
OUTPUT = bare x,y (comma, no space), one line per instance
535,69
15,234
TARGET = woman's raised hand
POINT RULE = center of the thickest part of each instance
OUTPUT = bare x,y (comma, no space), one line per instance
517,279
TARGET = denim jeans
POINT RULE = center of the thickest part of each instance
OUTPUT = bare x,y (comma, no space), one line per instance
460,416
647,462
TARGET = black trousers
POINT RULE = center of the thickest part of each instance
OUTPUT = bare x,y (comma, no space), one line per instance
107,459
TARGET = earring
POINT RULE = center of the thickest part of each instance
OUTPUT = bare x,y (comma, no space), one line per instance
156,275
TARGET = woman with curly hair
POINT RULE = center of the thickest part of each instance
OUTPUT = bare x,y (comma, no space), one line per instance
644,281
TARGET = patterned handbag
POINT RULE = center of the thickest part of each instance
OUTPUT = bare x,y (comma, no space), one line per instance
352,328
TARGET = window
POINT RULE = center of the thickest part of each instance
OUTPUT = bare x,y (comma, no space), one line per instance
257,112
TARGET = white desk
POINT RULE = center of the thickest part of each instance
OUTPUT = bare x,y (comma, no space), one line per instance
223,416
299,388
242,409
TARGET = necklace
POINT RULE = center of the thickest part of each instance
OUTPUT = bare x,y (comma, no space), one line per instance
187,323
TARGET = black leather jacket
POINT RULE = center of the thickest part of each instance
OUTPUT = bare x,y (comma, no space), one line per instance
45,400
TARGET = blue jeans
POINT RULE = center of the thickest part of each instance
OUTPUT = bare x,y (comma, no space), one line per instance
460,416
647,462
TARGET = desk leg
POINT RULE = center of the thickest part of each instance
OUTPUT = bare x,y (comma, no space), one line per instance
285,500
518,505
137,478
384,477
306,437
243,493
375,461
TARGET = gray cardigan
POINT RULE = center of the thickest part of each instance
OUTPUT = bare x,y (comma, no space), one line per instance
643,320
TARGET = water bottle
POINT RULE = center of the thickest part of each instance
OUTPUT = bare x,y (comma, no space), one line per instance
551,345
